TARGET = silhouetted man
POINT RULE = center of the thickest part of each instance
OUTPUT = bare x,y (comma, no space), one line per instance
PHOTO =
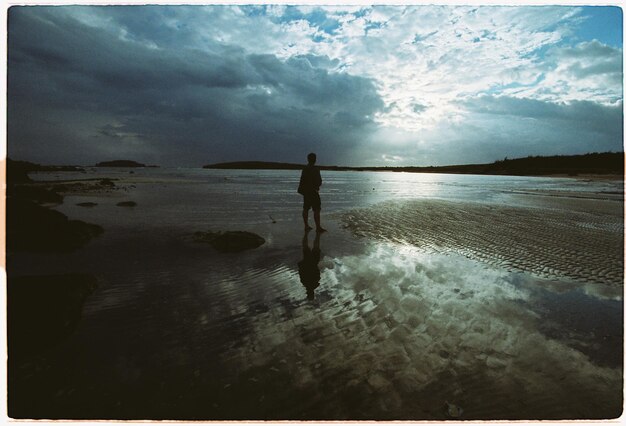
308,268
310,182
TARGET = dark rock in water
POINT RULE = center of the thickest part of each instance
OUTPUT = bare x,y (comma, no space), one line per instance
120,163
230,241
34,193
107,182
87,204
43,310
31,227
127,204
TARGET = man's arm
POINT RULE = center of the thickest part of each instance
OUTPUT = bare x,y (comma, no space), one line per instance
300,185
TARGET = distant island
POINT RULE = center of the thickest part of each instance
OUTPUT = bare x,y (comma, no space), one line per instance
256,165
607,163
121,163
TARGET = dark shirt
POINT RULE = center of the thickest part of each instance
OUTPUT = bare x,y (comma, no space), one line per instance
310,179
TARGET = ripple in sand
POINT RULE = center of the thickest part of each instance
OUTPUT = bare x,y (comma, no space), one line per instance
584,246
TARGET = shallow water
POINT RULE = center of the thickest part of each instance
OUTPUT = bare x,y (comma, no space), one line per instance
403,323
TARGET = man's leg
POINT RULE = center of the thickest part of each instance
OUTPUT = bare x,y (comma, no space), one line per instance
305,216
316,217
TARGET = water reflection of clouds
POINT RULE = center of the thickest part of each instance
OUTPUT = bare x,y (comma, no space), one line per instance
400,318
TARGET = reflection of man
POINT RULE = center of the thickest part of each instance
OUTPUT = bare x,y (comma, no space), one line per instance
307,267
310,182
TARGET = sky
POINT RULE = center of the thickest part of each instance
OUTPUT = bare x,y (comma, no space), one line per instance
359,85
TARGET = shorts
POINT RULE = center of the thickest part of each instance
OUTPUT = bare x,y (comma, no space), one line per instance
312,201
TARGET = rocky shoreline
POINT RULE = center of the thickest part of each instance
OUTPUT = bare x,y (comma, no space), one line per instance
43,310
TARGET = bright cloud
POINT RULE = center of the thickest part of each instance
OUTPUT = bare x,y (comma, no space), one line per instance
367,84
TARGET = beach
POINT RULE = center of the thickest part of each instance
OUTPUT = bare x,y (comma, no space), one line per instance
432,297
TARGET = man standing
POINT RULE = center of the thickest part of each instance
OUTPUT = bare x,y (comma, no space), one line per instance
310,182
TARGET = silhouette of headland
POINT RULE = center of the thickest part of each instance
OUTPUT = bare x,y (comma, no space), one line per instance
121,163
570,165
17,171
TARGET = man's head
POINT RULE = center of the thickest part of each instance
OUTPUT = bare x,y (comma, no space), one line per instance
312,158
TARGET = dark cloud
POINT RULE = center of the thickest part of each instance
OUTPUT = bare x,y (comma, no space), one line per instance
587,115
508,126
116,96
590,49
593,59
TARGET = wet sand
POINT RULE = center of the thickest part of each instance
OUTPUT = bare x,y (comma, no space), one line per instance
580,241
425,309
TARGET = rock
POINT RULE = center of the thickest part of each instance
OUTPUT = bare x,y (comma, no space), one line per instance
31,227
453,410
126,204
88,204
80,187
230,241
34,193
43,310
